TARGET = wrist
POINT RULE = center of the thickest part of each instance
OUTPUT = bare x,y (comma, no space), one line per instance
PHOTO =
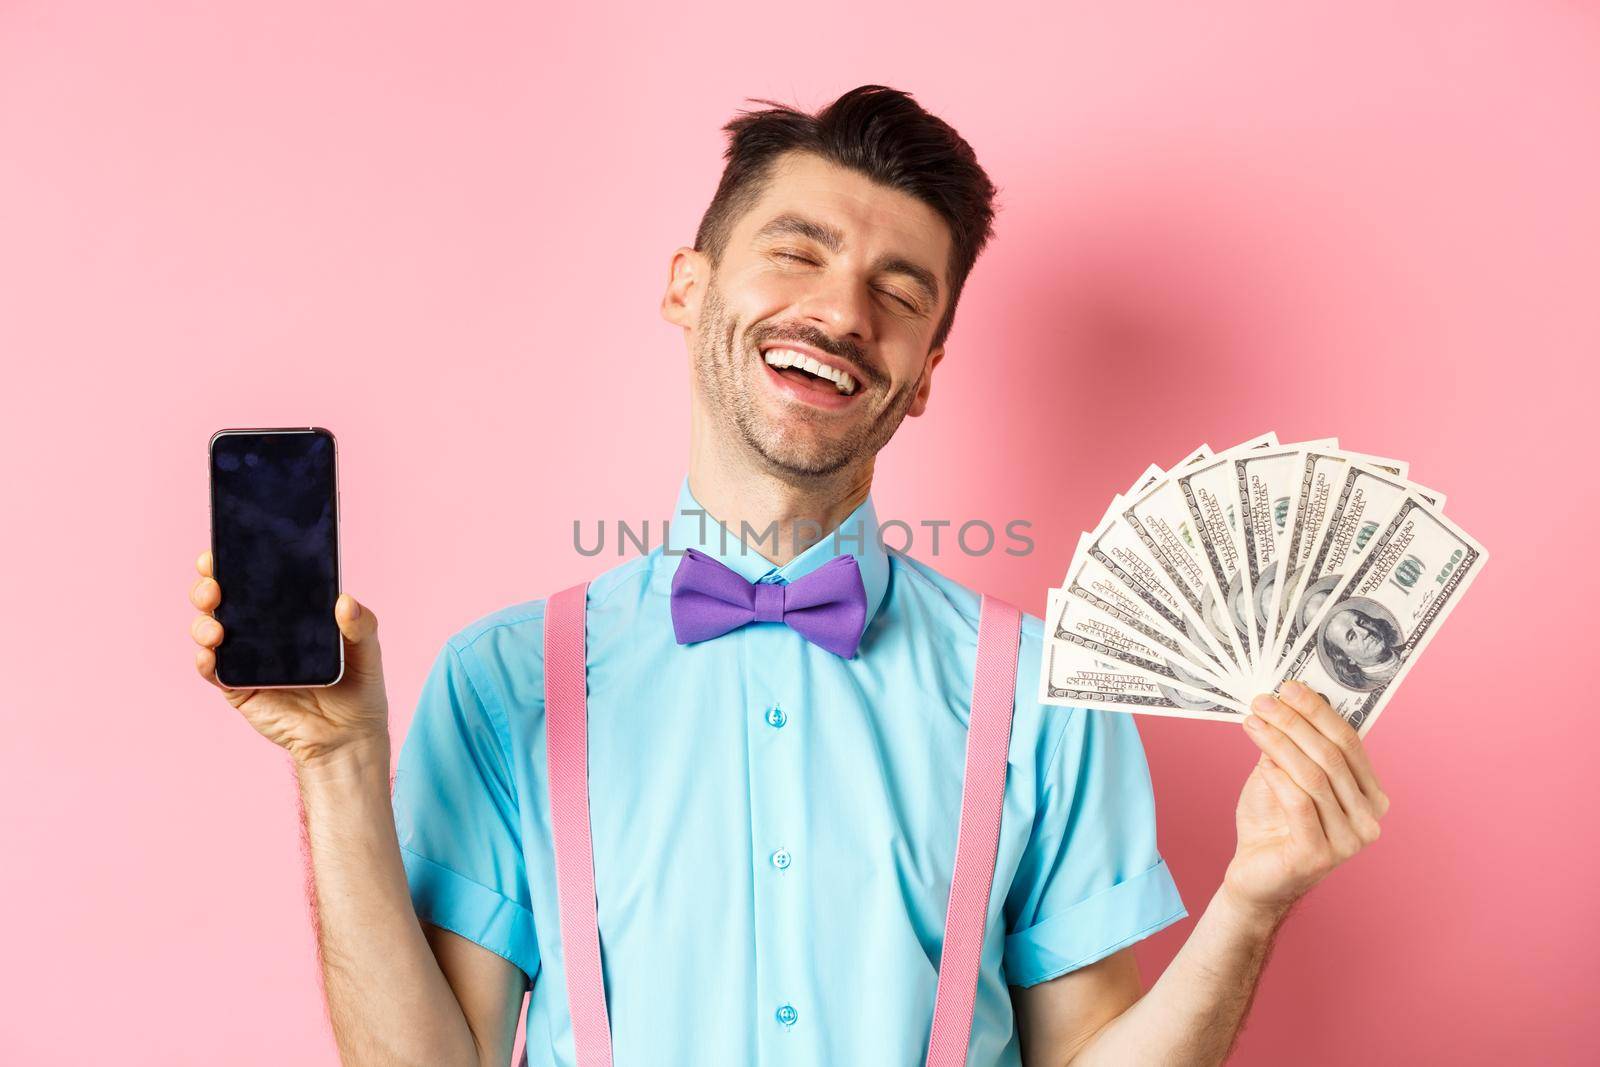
358,761
1249,915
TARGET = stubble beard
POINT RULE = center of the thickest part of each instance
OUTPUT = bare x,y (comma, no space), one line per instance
725,368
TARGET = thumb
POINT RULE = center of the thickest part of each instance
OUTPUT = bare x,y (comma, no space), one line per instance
360,629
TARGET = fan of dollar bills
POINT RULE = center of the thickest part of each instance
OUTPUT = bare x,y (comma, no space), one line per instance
1233,572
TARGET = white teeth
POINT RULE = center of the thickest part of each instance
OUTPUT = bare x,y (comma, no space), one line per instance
783,357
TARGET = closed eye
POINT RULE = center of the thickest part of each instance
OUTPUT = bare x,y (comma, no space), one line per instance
902,301
890,293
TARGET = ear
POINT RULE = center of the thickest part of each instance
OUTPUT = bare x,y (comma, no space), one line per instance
919,403
686,275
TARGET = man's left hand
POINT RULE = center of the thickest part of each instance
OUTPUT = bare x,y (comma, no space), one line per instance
1311,802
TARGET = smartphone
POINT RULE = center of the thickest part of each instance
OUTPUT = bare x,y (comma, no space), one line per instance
275,552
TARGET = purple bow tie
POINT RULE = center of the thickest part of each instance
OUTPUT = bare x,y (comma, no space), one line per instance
828,607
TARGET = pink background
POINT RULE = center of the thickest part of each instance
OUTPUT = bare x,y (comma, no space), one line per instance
446,238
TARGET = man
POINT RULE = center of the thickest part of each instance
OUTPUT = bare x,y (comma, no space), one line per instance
1362,649
774,820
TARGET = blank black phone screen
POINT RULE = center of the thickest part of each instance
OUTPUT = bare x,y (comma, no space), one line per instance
275,554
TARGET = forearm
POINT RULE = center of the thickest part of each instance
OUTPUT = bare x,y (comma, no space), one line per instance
388,1000
1192,1014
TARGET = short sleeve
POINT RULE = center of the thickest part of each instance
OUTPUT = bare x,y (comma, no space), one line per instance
455,807
1090,880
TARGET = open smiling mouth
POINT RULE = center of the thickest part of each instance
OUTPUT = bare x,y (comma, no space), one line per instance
806,370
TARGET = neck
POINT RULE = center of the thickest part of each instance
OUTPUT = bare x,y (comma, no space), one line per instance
734,490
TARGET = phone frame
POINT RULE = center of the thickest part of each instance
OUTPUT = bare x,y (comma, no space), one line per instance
338,533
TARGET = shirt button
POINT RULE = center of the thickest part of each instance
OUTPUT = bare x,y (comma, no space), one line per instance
775,716
787,1015
781,858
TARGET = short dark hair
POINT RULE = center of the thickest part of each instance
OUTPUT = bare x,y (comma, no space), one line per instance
879,132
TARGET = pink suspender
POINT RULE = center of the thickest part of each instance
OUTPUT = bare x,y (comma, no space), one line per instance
977,836
983,787
566,713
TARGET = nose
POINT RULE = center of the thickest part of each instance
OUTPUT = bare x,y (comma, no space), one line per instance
841,307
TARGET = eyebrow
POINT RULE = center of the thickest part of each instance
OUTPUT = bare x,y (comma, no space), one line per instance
833,240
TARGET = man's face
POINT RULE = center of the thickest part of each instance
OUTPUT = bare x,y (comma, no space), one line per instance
1351,631
828,266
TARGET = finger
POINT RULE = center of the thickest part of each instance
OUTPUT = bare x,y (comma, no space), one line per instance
1316,709
206,631
206,594
356,621
1328,756
203,563
1308,776
359,626
205,661
1304,823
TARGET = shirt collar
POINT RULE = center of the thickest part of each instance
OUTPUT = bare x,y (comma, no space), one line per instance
856,535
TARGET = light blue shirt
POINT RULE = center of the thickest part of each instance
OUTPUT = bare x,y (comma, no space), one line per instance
774,826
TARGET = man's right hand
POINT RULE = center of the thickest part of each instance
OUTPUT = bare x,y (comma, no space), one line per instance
398,990
315,722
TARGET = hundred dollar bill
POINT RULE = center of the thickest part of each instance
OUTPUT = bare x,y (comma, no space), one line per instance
1117,607
1264,481
1120,550
1098,587
1164,525
1372,629
1319,491
1072,677
1171,537
1209,491
1082,627
1303,523
1365,501
1153,473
